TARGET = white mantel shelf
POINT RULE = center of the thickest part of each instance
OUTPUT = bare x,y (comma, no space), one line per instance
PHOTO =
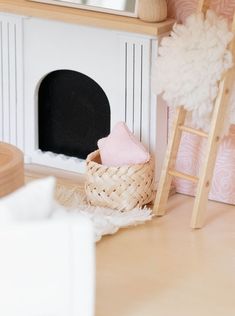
85,17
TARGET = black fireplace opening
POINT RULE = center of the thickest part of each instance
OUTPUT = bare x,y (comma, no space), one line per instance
73,113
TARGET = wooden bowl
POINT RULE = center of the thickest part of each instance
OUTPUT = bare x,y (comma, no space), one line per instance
11,169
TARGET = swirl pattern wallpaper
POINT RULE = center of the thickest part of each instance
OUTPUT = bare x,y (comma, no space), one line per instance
192,147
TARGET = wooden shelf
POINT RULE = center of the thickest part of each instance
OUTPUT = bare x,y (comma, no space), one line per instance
85,17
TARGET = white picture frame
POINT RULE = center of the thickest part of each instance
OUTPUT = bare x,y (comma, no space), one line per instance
73,4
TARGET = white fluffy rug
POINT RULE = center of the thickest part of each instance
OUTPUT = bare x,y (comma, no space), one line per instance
36,201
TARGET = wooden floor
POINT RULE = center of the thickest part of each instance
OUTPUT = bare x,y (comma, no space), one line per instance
163,268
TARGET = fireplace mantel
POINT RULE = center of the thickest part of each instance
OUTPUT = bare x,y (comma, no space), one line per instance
85,17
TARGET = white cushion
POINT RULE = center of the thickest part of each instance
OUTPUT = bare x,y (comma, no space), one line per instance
47,268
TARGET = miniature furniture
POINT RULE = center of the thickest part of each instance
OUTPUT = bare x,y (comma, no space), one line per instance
213,137
47,268
68,38
11,168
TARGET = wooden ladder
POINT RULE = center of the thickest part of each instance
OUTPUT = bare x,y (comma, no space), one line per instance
213,140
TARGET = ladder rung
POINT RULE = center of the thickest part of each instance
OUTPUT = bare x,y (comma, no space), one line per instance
193,131
183,176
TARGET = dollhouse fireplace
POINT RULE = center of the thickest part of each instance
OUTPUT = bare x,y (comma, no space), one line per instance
116,63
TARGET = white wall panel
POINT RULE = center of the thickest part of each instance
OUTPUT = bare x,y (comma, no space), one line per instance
11,80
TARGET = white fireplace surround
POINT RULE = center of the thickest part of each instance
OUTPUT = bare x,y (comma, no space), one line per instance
120,62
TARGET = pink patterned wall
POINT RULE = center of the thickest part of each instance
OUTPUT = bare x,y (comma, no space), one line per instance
180,9
191,150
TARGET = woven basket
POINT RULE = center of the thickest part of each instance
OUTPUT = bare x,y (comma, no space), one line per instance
121,188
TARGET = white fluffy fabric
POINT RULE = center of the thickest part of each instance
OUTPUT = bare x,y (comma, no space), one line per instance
105,220
33,202
191,62
36,201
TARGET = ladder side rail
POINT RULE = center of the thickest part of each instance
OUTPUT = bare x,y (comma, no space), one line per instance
217,124
206,173
164,185
203,5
